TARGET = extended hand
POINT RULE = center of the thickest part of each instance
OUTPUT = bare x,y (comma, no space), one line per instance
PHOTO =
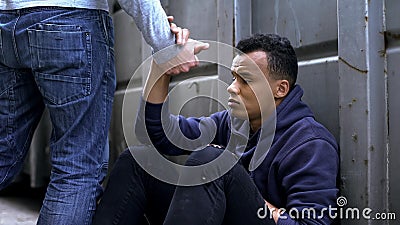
181,34
185,61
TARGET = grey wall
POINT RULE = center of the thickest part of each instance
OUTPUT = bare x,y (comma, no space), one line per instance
312,30
393,93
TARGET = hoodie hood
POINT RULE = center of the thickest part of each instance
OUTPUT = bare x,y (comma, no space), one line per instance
291,110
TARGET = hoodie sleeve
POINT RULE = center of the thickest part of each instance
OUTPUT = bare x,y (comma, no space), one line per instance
175,135
309,175
151,20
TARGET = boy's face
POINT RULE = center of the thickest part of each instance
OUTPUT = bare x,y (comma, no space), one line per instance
250,93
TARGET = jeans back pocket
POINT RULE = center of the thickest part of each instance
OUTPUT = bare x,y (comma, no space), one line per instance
61,61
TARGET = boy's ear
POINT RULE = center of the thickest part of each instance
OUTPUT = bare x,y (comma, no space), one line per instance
282,89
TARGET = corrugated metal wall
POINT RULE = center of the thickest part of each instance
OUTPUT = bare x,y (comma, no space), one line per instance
368,48
363,107
392,45
312,30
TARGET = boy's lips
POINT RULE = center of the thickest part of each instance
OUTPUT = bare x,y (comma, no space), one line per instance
233,102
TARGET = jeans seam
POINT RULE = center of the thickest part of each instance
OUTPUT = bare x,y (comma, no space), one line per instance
92,204
210,220
121,209
104,80
89,58
15,41
11,118
1,49
104,28
8,172
20,154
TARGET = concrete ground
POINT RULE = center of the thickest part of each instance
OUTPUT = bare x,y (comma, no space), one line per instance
20,204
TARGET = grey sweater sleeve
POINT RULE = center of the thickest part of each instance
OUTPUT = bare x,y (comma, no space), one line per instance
152,21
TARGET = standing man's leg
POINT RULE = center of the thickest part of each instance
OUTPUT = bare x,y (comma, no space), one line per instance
21,104
21,108
70,52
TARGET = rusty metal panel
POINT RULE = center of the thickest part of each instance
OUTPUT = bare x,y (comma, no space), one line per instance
226,35
243,19
363,111
394,127
304,23
319,79
128,46
199,16
117,136
312,30
392,37
207,20
392,16
188,95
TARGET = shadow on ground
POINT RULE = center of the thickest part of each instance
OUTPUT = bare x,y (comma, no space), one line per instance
20,204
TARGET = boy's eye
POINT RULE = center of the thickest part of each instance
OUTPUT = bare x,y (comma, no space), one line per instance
239,79
242,80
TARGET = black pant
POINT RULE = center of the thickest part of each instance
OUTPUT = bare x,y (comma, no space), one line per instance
131,193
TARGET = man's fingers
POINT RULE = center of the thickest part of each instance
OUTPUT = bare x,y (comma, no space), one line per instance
174,28
179,36
193,63
173,71
185,35
196,61
170,19
200,46
197,46
185,62
184,67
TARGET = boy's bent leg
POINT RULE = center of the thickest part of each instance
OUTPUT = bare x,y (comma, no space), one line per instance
230,199
132,193
124,200
244,203
199,204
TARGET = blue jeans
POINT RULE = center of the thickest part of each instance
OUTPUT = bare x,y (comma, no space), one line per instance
62,59
131,193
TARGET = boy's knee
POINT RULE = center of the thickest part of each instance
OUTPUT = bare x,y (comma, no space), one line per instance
204,156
